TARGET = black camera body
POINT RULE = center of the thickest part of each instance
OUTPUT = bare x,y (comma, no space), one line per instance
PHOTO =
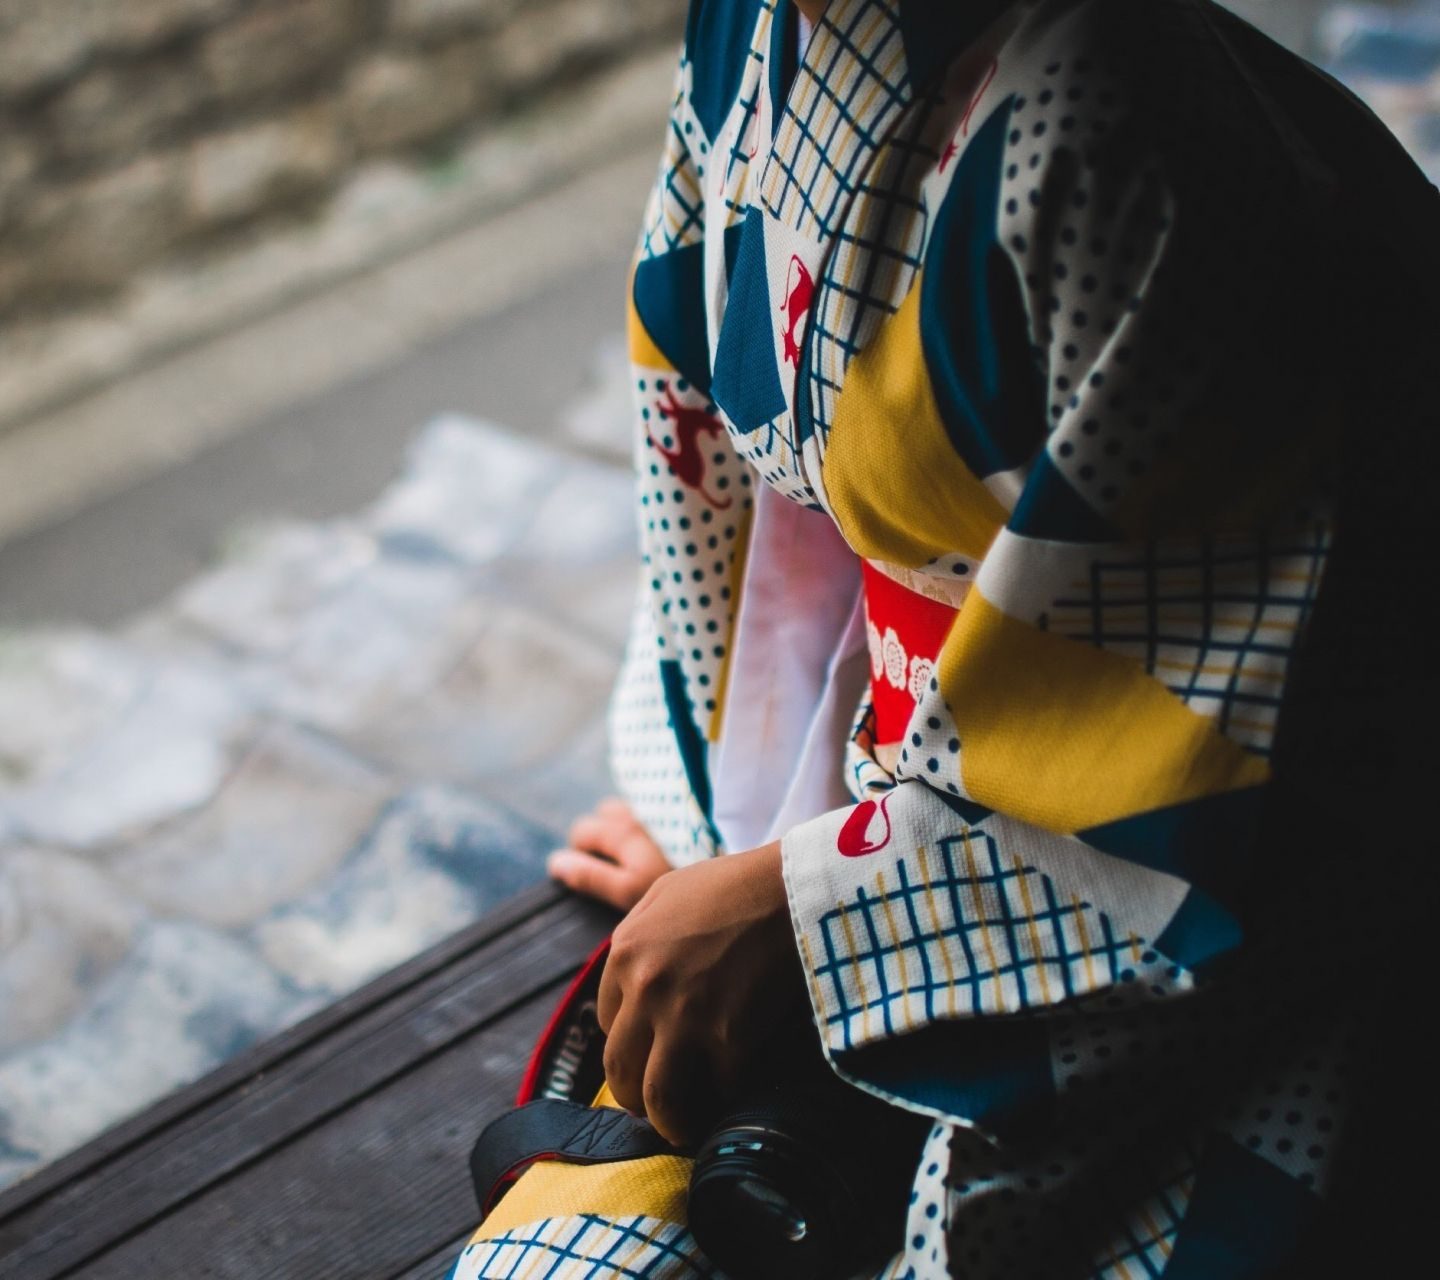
805,1177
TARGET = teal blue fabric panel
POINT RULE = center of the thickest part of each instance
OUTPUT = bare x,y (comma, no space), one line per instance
1049,507
669,298
694,753
973,327
717,42
1207,842
994,1072
747,383
1245,1220
1200,934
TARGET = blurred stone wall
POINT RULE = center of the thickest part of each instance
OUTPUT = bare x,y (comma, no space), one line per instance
135,131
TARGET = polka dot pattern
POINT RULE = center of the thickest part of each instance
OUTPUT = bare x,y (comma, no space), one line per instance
928,1218
644,759
1000,1206
932,748
1293,1111
695,504
778,463
1114,390
1121,1035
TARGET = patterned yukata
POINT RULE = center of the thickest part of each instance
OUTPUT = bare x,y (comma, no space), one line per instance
1063,314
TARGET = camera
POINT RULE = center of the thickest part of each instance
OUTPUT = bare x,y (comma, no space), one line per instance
802,1176
805,1177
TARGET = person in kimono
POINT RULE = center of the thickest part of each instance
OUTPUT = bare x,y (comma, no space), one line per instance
1031,425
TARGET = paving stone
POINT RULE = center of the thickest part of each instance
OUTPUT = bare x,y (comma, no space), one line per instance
186,998
287,813
142,24
271,578
95,233
111,115
435,860
468,492
346,740
102,746
432,18
385,637
396,100
1391,58
64,924
276,46
543,41
41,42
247,170
18,162
517,691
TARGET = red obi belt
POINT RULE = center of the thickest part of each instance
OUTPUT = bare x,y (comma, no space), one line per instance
905,631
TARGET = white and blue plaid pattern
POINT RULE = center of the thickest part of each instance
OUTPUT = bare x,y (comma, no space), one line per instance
596,1248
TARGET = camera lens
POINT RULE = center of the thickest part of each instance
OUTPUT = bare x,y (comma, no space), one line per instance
767,1202
759,1210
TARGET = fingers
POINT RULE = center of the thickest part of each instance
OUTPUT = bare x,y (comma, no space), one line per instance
627,1052
611,856
664,1081
610,822
674,1092
593,876
609,997
600,833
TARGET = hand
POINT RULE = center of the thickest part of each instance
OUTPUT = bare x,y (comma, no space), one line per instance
610,856
699,972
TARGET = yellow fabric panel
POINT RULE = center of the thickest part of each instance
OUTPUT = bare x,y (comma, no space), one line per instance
899,490
655,1186
737,581
643,351
1068,736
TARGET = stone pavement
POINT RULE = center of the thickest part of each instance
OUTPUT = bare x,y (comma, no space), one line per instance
340,744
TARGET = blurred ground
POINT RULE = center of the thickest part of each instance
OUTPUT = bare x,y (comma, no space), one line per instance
303,658
337,745
312,670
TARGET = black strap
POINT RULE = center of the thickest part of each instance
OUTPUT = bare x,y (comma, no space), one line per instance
550,1129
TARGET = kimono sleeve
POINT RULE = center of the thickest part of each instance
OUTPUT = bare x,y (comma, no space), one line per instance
1076,811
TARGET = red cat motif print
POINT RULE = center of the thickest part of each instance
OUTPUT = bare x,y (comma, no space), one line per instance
866,830
686,460
799,290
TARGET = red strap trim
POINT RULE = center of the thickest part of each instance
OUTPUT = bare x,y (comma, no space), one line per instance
511,1176
555,1028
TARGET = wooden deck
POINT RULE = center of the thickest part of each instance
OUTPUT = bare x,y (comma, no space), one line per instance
336,1150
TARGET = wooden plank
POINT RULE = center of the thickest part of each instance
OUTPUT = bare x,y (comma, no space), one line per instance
244,1124
318,1072
436,1264
358,1198
271,1053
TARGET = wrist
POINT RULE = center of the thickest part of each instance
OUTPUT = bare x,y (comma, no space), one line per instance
765,875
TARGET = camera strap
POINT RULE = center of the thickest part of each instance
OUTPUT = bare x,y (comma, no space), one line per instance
550,1129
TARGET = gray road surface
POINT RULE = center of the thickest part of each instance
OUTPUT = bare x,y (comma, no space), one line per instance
328,455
